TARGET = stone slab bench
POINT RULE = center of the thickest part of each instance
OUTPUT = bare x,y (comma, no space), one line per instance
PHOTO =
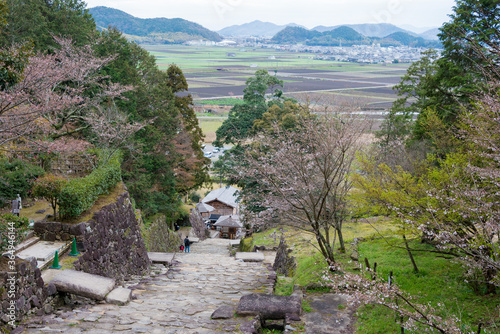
250,256
162,258
270,307
83,284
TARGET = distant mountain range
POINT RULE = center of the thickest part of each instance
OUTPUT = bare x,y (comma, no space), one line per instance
158,30
164,31
255,29
347,36
268,30
369,29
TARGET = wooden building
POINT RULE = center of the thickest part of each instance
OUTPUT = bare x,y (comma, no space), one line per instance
205,210
229,226
223,200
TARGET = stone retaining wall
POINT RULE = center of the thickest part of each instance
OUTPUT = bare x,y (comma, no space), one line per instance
113,243
159,238
56,231
23,292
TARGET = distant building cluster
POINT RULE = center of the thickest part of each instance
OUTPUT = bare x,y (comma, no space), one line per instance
368,54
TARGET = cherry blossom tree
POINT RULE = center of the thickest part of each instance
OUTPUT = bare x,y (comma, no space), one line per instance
369,288
56,93
302,175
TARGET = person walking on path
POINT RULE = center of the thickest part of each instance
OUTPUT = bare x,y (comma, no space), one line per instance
186,244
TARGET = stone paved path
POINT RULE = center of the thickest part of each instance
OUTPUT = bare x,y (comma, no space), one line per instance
176,300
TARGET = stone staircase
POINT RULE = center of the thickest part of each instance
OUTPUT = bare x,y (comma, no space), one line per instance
178,299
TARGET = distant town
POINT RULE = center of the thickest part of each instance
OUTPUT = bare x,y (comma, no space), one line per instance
368,54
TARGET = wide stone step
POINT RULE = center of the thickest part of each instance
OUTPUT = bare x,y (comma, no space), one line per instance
42,250
26,243
162,258
83,284
250,256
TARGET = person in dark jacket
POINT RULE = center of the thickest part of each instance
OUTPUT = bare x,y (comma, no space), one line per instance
186,244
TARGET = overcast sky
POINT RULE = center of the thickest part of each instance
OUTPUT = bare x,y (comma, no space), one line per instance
217,14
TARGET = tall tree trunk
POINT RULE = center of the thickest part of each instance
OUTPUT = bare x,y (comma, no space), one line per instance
54,206
326,249
341,239
415,268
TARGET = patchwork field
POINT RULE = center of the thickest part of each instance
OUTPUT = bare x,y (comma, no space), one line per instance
221,72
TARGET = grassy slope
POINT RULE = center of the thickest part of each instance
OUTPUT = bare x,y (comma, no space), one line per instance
209,126
440,280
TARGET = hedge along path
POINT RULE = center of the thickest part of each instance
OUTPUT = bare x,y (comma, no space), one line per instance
176,300
80,194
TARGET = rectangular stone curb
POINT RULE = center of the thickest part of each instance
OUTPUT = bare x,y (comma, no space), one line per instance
250,256
83,284
26,243
234,243
119,296
162,258
42,250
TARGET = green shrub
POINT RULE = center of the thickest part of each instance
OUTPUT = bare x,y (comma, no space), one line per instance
15,224
16,177
49,187
194,197
80,194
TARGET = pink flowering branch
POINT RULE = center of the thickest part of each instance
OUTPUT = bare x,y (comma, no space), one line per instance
370,288
55,94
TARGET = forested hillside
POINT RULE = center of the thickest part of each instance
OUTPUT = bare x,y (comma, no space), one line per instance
158,30
347,36
90,91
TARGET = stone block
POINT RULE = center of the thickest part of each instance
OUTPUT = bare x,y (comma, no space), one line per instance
53,227
269,307
119,296
223,312
250,256
162,258
83,284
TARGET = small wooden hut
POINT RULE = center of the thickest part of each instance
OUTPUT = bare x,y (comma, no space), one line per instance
229,226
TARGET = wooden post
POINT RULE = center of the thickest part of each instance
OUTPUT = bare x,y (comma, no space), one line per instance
367,263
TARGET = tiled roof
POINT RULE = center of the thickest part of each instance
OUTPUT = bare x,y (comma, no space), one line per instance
204,207
226,195
229,221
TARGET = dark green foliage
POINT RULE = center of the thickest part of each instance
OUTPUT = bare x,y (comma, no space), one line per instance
10,223
472,36
403,38
80,194
445,85
347,36
12,60
38,20
106,17
16,177
12,64
241,118
49,187
344,33
148,169
294,35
